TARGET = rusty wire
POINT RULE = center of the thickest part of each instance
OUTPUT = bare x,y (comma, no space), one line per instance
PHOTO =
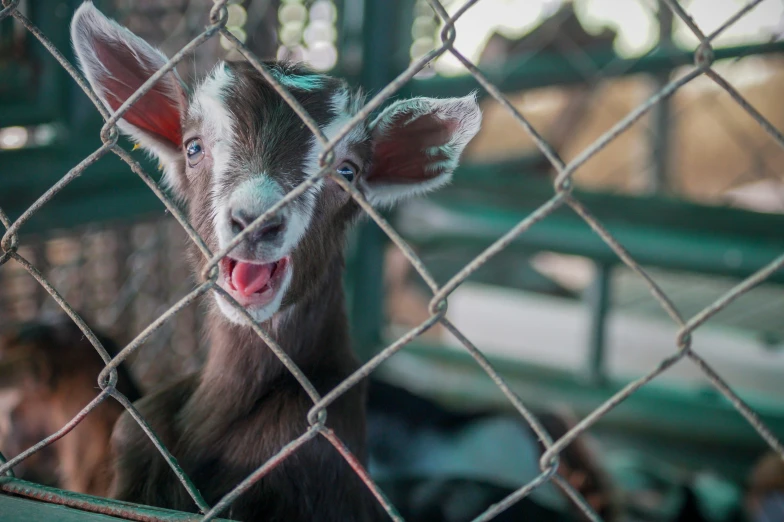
317,415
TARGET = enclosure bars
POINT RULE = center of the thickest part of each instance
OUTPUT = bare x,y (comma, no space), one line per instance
367,292
562,196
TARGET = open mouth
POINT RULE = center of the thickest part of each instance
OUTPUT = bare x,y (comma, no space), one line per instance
253,284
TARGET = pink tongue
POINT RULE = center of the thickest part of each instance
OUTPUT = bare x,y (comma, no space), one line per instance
248,278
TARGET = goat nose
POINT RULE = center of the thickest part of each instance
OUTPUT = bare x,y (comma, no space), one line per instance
268,231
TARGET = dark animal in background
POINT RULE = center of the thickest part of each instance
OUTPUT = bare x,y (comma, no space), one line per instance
561,36
765,489
231,148
400,421
50,374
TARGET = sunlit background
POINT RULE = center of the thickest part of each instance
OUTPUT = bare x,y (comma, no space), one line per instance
635,21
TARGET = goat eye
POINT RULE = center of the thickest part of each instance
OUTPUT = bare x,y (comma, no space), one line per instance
194,152
347,170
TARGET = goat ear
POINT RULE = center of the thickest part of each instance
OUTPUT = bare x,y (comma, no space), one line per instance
416,146
116,63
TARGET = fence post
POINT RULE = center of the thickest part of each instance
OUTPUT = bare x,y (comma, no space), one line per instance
599,303
379,45
660,115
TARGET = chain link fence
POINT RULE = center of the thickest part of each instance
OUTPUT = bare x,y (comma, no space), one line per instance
119,277
562,197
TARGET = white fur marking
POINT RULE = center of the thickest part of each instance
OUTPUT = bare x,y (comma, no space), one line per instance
297,225
311,167
254,196
218,130
331,130
339,102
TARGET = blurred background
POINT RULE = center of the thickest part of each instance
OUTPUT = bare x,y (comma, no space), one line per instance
694,190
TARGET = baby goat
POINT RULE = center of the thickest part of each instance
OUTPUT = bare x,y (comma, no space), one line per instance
231,148
53,375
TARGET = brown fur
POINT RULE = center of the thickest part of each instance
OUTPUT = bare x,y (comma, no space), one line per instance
241,410
55,375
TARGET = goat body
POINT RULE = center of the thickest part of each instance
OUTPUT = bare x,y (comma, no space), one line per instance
241,409
231,148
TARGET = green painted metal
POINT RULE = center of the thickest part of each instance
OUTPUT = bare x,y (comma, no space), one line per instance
21,500
542,69
506,269
365,267
645,210
43,96
598,301
661,155
107,191
657,231
15,509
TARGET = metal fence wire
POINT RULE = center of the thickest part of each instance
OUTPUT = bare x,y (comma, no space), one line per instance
119,277
562,195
